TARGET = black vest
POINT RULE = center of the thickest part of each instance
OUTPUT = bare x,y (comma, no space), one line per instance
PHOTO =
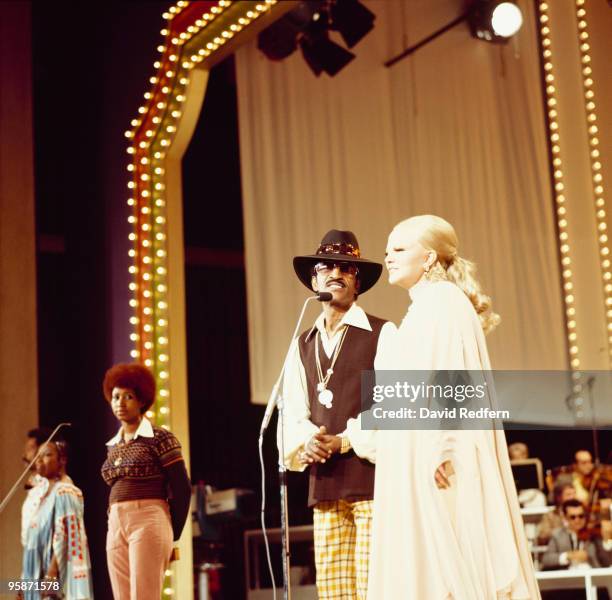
344,476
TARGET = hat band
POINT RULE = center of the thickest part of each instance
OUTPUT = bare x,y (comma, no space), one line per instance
341,248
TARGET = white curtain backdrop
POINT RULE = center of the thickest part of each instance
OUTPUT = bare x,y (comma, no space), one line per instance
457,130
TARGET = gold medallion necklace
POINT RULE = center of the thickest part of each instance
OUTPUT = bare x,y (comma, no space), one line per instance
326,396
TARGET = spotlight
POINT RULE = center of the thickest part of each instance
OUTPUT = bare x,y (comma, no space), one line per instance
279,40
495,21
506,19
308,26
352,19
320,53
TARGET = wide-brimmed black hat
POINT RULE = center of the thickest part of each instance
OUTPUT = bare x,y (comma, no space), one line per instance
338,246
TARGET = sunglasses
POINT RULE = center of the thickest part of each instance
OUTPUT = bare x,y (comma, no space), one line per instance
325,268
574,517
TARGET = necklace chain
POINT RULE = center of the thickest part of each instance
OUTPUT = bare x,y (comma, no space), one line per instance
323,381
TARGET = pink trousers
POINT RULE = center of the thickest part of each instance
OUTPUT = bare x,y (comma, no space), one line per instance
138,548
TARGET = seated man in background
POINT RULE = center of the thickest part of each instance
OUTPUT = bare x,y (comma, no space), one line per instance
593,484
518,451
568,547
583,467
562,492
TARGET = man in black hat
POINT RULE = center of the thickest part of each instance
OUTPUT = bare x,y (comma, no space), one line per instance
322,393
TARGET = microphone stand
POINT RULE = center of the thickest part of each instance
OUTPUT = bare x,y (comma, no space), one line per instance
276,400
12,491
594,430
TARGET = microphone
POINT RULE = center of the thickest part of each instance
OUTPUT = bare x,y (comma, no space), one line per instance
274,396
272,401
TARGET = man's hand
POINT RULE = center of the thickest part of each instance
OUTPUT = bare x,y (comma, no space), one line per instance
442,474
578,556
320,447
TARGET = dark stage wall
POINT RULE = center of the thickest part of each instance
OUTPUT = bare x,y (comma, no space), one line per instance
89,71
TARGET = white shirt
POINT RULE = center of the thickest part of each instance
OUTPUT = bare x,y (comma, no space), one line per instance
298,426
578,545
145,429
39,488
563,557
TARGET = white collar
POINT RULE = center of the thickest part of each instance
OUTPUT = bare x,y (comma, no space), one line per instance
354,316
145,429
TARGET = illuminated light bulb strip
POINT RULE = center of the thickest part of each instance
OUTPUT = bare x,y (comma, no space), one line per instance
146,260
198,21
157,120
175,10
152,134
559,194
172,103
597,183
188,40
160,284
170,52
165,68
207,45
133,253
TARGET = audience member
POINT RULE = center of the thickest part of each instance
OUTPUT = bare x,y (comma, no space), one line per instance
563,491
583,467
518,451
570,548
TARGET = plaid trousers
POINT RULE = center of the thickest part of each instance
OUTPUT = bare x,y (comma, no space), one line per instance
342,533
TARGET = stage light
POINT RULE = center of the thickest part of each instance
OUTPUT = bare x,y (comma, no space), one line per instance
308,26
507,19
352,19
280,39
320,53
494,21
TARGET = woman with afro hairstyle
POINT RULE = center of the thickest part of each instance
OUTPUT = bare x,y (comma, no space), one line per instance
150,488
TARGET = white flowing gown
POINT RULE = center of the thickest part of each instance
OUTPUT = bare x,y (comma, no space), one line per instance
467,542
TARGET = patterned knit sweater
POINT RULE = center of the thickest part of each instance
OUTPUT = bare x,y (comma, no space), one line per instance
135,469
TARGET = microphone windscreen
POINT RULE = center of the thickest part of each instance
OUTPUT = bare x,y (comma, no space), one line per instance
324,296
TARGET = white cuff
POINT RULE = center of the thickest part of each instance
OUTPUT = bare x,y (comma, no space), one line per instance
310,436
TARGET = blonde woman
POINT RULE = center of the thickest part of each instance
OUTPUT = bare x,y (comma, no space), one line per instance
447,523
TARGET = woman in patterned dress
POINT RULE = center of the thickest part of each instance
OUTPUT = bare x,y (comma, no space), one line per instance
55,542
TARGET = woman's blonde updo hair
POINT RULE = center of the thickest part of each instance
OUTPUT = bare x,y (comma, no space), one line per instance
434,233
